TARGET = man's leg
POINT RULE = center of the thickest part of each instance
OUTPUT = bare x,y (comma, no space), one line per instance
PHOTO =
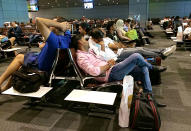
12,39
125,67
7,85
14,66
142,75
129,51
158,51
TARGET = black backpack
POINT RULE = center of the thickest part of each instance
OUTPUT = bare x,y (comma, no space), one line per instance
144,114
5,45
27,80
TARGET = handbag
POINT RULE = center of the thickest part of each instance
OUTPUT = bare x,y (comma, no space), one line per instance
144,113
27,80
127,94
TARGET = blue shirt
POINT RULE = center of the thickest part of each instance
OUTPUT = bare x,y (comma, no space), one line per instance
48,52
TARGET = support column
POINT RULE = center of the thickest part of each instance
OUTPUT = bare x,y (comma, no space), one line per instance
139,9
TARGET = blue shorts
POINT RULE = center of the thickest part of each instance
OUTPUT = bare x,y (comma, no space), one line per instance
31,60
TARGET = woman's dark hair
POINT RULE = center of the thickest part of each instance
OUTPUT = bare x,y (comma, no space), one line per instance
132,23
177,18
127,20
96,33
74,41
86,27
110,24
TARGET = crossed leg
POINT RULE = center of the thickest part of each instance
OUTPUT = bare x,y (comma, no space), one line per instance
14,66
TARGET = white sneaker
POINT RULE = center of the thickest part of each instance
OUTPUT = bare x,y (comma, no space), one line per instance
168,51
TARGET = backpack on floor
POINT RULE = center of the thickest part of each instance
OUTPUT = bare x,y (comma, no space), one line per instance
144,113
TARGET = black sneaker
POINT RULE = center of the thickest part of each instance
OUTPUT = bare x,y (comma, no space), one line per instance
160,104
159,68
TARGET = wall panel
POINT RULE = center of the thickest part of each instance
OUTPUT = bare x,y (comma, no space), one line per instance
161,9
120,11
13,10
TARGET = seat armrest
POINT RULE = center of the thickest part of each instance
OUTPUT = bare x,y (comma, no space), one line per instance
128,42
145,37
98,87
101,75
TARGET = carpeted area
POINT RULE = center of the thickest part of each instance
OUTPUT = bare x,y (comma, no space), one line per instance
174,91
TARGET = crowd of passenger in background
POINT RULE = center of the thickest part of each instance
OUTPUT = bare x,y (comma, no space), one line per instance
181,27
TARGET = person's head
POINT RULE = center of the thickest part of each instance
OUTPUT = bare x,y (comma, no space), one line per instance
13,24
189,23
132,25
120,24
177,18
184,18
127,22
56,30
110,25
97,35
79,42
84,28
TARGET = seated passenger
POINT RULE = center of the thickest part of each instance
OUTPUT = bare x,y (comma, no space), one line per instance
132,33
187,31
120,31
95,66
44,60
111,32
84,29
127,25
15,31
104,46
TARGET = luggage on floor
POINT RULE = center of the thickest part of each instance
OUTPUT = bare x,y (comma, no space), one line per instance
155,77
144,113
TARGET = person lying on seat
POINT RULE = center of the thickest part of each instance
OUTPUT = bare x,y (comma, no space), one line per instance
105,46
95,66
44,60
89,62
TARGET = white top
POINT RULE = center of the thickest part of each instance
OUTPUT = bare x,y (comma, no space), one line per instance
180,29
108,54
184,24
187,31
